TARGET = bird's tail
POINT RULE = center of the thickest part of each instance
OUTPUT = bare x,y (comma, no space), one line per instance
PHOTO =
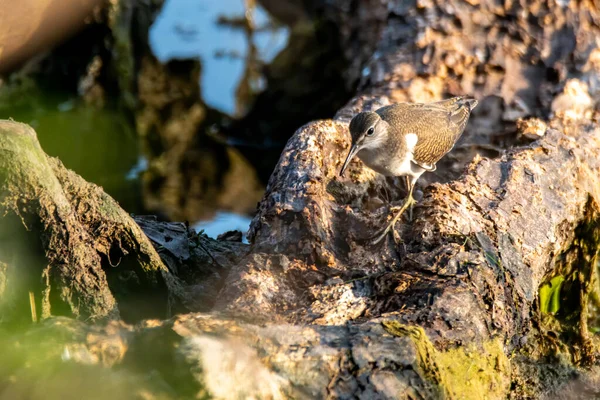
456,103
460,111
471,103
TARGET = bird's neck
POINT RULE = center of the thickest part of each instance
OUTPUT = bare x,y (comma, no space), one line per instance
384,159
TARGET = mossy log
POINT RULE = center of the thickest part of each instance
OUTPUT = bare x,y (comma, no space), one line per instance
32,192
72,247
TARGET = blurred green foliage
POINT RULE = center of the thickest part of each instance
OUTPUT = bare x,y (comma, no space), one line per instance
550,295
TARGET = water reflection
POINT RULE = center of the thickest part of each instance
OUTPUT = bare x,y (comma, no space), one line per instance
214,32
197,173
217,96
190,174
223,222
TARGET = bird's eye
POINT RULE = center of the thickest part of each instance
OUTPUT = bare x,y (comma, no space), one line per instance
370,131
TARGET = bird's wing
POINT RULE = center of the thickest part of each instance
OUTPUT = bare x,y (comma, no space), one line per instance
437,125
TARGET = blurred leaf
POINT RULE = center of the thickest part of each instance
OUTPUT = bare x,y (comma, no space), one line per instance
550,295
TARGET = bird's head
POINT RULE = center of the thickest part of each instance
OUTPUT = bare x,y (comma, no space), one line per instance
368,130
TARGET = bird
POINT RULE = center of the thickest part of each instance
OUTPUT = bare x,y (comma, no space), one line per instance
407,139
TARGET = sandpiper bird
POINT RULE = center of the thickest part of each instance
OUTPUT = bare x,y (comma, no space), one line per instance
407,139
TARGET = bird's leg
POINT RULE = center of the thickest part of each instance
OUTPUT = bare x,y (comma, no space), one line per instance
388,198
408,202
409,187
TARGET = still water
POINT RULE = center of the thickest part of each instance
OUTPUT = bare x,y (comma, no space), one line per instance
194,29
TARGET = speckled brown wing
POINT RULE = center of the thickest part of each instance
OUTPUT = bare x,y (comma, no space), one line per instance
437,125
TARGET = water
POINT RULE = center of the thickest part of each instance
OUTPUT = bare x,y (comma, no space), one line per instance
101,144
223,222
231,57
190,29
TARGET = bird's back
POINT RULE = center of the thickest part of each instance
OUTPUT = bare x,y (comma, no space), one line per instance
438,125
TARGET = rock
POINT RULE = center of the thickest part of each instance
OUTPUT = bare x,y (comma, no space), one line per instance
531,129
574,102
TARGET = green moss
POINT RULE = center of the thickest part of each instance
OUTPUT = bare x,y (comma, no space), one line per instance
477,373
22,159
481,372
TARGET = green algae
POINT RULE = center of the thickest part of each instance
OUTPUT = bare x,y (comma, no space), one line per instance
465,372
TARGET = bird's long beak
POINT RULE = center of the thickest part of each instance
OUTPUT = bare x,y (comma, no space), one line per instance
353,150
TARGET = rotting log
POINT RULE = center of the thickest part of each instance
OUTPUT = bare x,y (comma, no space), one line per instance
309,214
487,233
30,186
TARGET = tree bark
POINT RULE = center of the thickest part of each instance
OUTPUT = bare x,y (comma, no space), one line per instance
502,216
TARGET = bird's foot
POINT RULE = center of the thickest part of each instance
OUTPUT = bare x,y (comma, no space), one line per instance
408,203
